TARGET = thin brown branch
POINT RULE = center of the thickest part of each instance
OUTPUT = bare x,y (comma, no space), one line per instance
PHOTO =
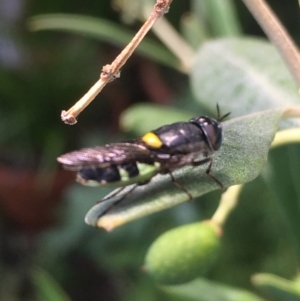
112,71
277,35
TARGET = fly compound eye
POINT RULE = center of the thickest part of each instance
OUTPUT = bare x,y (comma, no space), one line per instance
214,133
212,129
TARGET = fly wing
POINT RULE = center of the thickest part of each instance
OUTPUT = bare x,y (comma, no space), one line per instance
104,156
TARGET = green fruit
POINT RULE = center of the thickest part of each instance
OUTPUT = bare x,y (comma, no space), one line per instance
184,253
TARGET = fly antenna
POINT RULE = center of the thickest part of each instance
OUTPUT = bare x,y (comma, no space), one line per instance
219,116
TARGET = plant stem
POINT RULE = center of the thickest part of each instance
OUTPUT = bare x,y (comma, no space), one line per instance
291,112
228,202
286,137
277,34
112,71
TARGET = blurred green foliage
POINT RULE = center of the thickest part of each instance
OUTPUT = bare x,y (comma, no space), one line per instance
42,73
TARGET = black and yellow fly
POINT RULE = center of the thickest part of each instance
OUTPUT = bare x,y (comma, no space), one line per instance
160,151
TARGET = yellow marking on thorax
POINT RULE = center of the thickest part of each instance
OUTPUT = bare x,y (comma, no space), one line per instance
152,140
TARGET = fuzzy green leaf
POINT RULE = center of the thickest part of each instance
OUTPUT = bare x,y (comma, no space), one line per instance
242,76
243,153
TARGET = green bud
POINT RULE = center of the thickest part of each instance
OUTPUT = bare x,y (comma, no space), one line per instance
183,253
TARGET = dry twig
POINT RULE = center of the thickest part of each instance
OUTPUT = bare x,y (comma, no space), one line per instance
112,71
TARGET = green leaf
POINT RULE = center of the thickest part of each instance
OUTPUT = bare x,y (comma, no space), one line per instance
243,153
193,30
47,288
137,117
204,290
242,76
222,17
282,178
102,30
277,287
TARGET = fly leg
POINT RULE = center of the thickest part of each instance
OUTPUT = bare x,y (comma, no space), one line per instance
121,199
210,160
179,186
112,195
117,201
